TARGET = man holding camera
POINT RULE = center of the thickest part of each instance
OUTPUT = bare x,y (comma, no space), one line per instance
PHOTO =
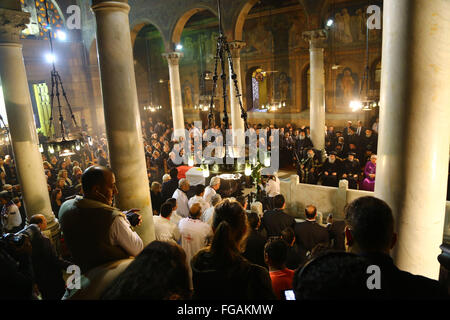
95,232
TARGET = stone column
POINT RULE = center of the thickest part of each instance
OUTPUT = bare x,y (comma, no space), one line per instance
237,123
173,60
317,86
413,150
122,118
21,119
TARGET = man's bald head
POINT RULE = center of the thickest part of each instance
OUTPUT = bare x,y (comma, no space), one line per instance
310,212
94,176
40,220
99,183
195,210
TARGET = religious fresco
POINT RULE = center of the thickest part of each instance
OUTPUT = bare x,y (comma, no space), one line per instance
258,37
347,87
283,88
350,25
187,93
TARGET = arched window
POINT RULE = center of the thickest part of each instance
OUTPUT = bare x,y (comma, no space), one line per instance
257,89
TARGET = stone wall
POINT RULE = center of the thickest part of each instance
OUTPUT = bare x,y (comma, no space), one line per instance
329,200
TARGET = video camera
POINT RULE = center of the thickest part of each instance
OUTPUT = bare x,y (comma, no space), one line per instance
18,239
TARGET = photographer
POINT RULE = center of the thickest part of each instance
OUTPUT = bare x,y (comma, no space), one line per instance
47,266
16,276
94,231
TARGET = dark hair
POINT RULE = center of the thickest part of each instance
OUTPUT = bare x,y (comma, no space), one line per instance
371,223
157,273
334,275
172,201
253,220
166,209
55,193
242,200
93,176
276,251
312,215
288,235
230,226
173,173
199,189
278,201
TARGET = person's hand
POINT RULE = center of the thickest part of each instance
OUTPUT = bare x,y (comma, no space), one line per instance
333,174
330,219
134,218
355,176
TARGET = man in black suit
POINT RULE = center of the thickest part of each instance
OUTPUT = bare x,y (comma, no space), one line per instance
360,129
309,234
370,234
169,187
336,230
275,221
368,143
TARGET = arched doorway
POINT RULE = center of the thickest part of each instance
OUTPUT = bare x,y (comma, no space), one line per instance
152,73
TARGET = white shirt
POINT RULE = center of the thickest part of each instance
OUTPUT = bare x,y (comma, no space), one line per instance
12,218
121,235
208,216
175,218
194,236
165,230
273,187
209,193
197,199
182,203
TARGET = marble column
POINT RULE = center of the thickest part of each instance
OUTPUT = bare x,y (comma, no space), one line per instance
122,117
413,152
173,59
317,86
20,116
237,123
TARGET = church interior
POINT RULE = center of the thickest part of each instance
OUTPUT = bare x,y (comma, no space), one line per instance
164,137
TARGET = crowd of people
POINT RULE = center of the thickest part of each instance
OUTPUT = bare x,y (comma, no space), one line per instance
207,246
350,155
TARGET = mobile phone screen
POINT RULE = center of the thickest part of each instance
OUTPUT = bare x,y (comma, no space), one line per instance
289,295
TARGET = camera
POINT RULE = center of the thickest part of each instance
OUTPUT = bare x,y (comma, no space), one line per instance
18,239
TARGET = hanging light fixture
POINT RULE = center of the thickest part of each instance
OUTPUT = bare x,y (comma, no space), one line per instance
67,141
